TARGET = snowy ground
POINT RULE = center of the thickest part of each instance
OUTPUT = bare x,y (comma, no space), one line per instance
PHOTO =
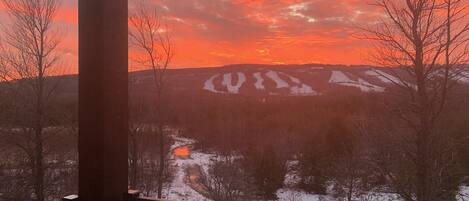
259,81
181,191
226,82
463,193
300,88
276,78
298,195
208,85
303,89
463,77
383,77
297,87
233,89
290,193
338,77
389,79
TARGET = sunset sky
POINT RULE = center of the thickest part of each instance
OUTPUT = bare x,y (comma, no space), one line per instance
218,32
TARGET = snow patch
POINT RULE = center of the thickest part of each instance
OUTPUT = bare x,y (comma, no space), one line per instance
274,76
293,79
338,77
181,141
289,192
463,77
234,89
463,193
298,195
382,76
259,81
209,86
303,90
299,88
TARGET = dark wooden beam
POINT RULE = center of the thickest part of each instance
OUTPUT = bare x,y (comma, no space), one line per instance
103,92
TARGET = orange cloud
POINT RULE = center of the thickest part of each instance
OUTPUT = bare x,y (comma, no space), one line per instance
218,32
208,33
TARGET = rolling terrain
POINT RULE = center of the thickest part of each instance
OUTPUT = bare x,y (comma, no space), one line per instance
270,80
285,80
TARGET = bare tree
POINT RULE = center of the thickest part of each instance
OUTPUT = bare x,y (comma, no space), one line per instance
29,55
136,127
149,35
425,43
225,180
348,172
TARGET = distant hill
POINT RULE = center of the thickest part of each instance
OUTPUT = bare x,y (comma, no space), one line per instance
268,80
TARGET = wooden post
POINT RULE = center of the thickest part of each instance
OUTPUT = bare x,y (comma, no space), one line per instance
103,92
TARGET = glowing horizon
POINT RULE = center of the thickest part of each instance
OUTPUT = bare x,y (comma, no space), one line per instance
215,33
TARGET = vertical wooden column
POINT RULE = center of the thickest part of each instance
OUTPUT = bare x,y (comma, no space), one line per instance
103,95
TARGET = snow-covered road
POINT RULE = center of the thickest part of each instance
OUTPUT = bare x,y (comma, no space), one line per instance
179,189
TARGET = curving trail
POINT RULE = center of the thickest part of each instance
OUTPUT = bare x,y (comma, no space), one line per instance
186,183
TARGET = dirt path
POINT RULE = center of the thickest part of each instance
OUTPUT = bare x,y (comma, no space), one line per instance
194,179
190,164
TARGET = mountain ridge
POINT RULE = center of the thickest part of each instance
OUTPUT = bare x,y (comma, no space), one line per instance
267,80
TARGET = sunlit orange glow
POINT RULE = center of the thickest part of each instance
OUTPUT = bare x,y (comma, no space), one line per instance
183,152
214,33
